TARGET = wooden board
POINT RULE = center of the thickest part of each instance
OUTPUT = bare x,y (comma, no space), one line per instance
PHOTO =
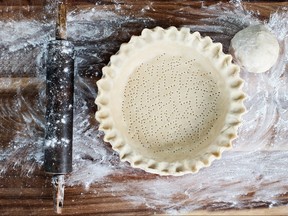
32,194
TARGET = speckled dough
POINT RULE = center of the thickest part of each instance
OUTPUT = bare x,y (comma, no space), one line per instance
255,48
169,101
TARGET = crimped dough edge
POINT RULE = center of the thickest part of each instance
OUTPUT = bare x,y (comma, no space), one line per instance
223,64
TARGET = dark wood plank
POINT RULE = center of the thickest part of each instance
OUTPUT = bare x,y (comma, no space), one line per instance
32,195
18,10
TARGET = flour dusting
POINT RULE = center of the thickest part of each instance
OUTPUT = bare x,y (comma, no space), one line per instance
248,169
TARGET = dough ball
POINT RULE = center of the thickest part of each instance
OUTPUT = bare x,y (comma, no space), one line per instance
255,48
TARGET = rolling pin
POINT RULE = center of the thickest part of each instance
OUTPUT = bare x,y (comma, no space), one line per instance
59,107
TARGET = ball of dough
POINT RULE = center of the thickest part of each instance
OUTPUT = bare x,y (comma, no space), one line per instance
255,48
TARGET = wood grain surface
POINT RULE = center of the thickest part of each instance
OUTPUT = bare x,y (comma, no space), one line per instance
32,194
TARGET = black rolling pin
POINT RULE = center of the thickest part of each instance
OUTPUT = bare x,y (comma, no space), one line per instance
59,108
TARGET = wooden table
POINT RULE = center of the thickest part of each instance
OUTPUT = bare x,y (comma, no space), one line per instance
31,194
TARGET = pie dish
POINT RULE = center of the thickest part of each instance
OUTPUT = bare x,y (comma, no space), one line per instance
170,102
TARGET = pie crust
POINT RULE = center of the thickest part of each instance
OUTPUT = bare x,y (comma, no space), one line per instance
170,102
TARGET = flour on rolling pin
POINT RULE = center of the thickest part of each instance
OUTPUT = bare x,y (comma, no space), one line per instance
244,170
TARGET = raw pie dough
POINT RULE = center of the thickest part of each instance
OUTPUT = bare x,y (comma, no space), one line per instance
255,48
169,101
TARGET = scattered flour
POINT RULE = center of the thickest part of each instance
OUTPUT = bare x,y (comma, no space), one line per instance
247,168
